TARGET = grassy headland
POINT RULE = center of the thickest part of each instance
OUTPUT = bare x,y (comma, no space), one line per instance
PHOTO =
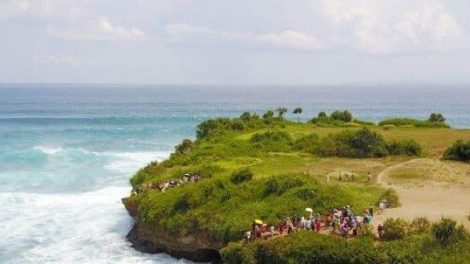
267,167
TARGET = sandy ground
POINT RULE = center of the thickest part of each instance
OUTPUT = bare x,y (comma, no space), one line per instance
430,200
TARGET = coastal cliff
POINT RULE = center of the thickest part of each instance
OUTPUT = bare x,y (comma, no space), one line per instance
199,203
150,239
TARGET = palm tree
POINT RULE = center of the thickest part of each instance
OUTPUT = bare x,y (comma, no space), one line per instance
281,111
297,112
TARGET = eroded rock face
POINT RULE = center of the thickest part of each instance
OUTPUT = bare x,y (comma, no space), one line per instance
156,240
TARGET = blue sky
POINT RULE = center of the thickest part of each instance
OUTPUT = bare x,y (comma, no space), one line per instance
235,42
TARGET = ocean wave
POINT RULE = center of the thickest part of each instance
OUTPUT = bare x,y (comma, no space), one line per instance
88,227
44,169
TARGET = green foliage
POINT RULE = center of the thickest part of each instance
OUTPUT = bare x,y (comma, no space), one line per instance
278,185
447,232
344,116
460,151
337,118
366,231
354,144
241,176
281,111
306,247
407,147
391,196
236,253
436,118
307,143
411,122
420,225
297,111
185,147
272,140
395,228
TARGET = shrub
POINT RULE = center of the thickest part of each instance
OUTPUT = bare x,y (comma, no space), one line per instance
307,143
280,184
241,176
344,116
460,151
366,231
388,127
392,198
362,143
235,253
402,122
446,232
394,228
437,117
185,147
406,147
273,140
420,225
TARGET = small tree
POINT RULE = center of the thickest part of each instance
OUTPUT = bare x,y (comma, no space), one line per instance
281,111
297,112
344,116
437,118
185,147
322,115
446,232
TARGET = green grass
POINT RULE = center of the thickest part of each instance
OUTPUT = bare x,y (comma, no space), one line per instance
285,179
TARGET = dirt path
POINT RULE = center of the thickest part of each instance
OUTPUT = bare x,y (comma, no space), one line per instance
430,200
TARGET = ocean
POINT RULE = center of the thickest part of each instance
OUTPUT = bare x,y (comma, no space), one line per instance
67,151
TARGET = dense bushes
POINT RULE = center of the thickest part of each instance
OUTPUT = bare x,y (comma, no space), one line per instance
407,147
364,143
402,246
344,116
337,118
185,147
213,128
411,122
447,232
241,176
307,143
305,247
459,151
394,228
272,140
391,196
357,144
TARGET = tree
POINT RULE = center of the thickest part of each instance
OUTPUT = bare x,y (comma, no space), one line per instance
344,116
322,115
297,112
437,117
185,147
281,111
268,117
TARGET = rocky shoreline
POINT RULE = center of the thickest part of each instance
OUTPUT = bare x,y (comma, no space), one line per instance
155,240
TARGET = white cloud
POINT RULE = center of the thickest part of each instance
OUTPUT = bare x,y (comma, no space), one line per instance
14,8
101,29
393,26
289,39
58,61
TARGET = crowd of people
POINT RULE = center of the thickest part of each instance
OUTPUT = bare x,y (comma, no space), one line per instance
342,222
162,186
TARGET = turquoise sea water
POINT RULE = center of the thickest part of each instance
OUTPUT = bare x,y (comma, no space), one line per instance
68,151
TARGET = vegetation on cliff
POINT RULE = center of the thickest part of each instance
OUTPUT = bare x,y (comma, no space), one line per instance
267,167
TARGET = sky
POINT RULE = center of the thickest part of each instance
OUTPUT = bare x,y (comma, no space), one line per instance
234,42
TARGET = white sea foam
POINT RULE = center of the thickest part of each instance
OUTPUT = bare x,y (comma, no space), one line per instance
127,162
49,150
68,228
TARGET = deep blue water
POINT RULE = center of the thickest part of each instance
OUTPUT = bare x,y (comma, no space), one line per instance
68,151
